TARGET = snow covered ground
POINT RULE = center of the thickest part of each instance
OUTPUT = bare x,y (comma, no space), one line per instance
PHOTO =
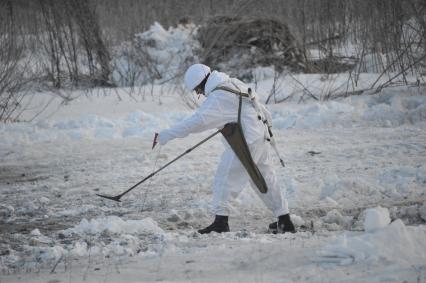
345,158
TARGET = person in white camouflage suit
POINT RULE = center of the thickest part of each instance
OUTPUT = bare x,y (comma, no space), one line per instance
220,108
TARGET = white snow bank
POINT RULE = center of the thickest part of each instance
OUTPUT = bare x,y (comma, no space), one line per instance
376,218
105,118
394,243
388,109
115,225
136,124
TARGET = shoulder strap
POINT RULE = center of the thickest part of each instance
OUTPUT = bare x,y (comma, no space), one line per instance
229,89
239,109
236,92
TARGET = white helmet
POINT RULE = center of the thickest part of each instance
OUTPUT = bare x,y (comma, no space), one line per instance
195,75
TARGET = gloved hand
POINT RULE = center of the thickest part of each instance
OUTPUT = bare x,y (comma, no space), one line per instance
162,138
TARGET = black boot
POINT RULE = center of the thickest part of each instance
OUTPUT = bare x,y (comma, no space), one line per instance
219,225
283,225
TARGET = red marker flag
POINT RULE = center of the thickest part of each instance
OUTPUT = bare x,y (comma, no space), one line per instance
154,142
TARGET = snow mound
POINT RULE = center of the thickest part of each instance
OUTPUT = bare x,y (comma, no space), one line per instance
334,216
297,220
35,232
115,225
393,243
376,218
169,49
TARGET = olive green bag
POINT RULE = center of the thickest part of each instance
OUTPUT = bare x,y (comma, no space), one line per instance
233,133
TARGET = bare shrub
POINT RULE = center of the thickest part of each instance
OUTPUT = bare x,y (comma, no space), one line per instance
12,65
156,57
85,17
70,36
237,42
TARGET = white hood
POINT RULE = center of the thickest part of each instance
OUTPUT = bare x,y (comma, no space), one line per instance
215,79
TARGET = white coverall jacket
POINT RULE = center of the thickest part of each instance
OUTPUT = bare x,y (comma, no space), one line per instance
220,108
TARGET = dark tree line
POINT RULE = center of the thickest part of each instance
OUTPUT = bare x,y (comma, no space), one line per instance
69,33
95,26
68,43
50,44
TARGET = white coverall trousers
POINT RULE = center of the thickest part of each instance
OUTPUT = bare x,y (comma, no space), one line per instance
231,178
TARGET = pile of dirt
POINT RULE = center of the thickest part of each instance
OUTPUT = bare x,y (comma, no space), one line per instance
233,42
